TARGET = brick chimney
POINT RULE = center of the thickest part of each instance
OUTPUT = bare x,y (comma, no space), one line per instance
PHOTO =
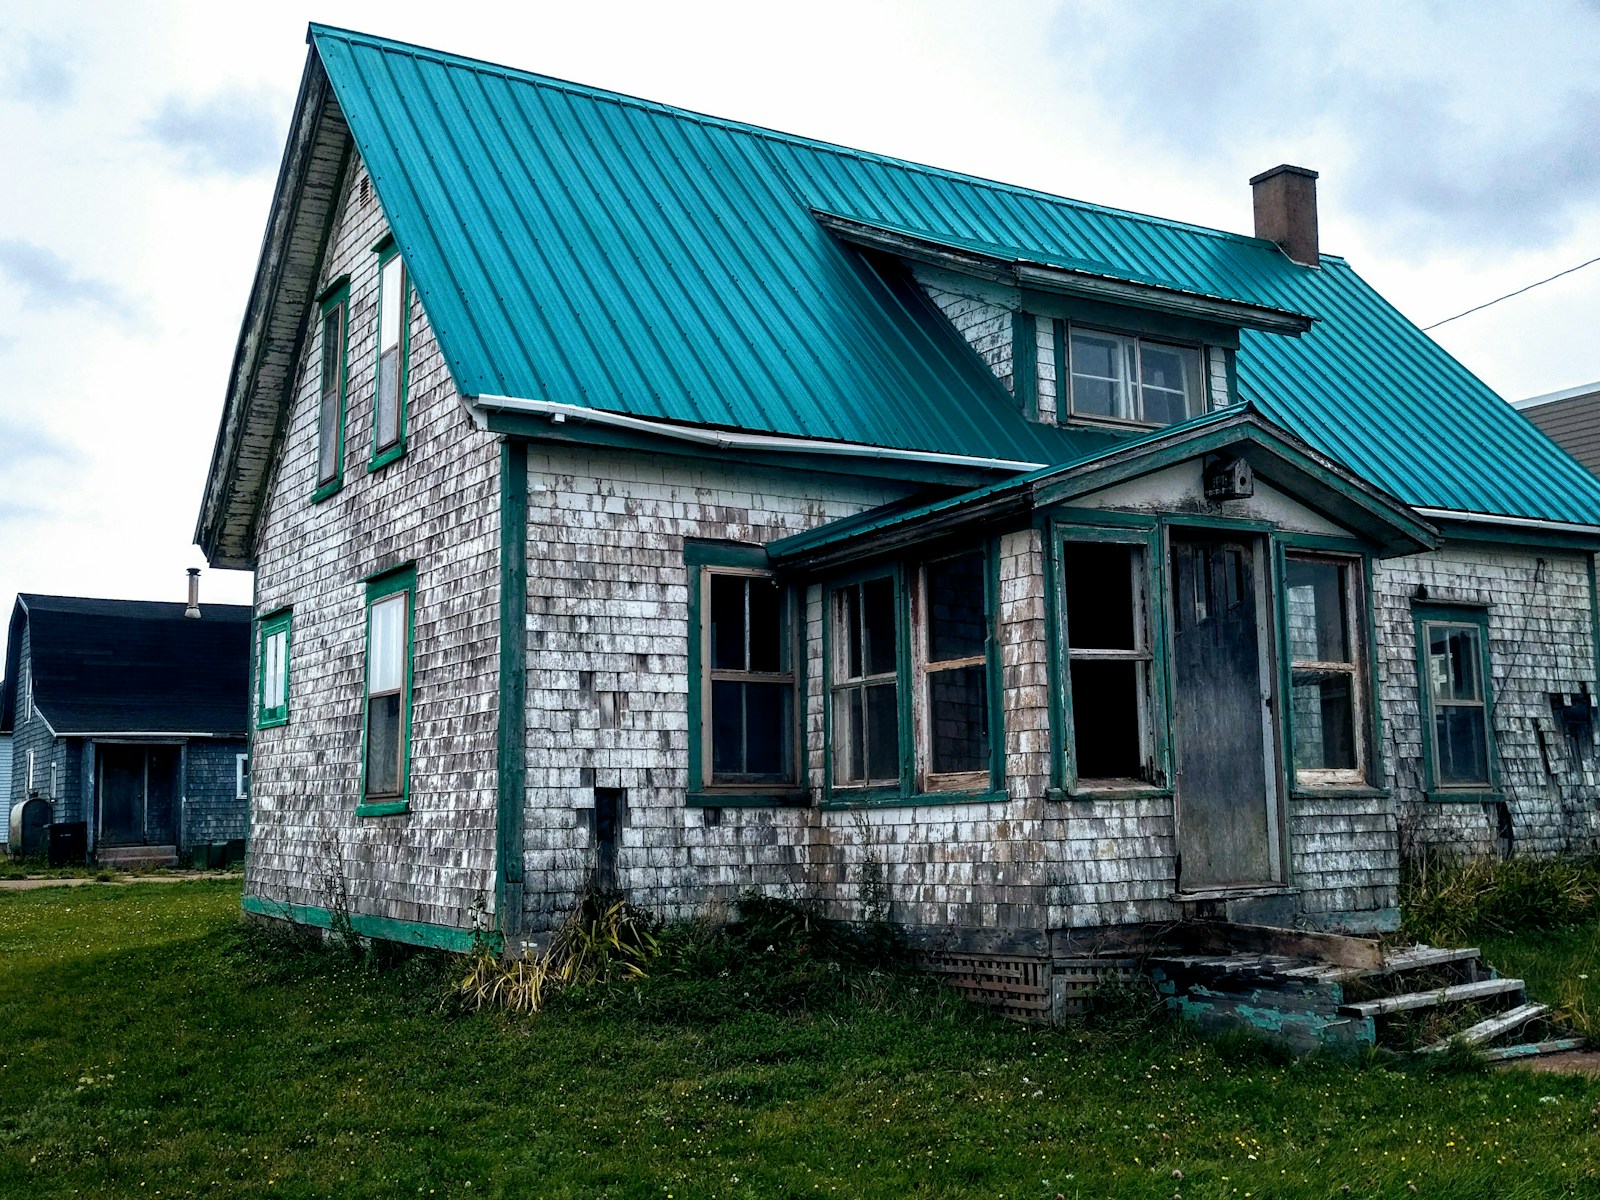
1286,211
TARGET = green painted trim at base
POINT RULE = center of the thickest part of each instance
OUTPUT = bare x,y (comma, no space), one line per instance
1339,793
390,808
923,800
744,800
414,933
1464,797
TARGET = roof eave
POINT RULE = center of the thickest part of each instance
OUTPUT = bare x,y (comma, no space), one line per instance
1046,277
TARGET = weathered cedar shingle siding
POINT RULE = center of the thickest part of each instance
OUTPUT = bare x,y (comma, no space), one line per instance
438,506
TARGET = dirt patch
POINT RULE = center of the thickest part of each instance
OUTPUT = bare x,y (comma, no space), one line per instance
28,885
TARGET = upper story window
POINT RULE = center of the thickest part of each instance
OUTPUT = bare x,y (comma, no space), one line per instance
1116,377
389,404
332,382
387,747
272,670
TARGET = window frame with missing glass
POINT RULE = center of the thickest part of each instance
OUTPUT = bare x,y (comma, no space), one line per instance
705,563
1355,667
1426,617
333,302
386,452
914,781
383,589
271,627
1142,538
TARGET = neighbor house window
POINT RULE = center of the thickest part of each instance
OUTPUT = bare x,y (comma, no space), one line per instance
332,380
241,776
389,409
27,693
1453,656
272,670
1116,377
1326,693
912,677
388,717
1105,592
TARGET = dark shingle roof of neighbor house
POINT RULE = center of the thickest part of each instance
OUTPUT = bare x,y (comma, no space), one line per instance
132,666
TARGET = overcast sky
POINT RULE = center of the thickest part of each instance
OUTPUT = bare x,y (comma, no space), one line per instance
1457,145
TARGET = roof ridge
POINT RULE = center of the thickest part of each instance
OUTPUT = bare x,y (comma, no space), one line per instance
770,134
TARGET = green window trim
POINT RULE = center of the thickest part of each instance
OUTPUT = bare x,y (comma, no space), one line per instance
916,783
1358,665
1427,618
334,300
383,455
389,800
272,668
704,559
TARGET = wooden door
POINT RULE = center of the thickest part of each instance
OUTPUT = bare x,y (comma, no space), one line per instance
121,795
1226,827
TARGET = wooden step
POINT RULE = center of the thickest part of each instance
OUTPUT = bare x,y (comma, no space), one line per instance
1496,1026
1534,1049
126,857
1460,993
1421,958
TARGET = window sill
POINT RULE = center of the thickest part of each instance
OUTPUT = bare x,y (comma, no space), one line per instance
272,722
385,457
795,799
842,799
1116,791
1337,791
327,490
386,808
1463,796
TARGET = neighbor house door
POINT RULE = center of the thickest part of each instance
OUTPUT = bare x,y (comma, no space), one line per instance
1226,793
138,790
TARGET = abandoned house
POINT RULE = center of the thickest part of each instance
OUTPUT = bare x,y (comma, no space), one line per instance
650,499
128,723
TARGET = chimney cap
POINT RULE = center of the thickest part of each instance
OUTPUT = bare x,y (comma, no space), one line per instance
1283,169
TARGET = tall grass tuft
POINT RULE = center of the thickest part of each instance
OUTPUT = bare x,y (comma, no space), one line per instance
1449,903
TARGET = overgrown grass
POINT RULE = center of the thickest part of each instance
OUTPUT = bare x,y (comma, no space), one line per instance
150,1046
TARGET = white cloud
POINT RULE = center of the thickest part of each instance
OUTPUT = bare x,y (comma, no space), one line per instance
234,131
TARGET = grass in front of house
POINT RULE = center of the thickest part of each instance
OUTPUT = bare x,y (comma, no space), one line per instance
149,1046
1561,967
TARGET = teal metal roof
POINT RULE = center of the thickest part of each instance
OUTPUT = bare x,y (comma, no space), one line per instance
585,247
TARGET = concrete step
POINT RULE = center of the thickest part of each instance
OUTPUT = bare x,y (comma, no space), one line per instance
1496,1026
1534,1049
1461,993
125,858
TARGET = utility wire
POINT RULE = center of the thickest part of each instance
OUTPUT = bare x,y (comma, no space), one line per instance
1508,295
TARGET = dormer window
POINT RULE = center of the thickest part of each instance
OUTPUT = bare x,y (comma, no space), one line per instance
1116,377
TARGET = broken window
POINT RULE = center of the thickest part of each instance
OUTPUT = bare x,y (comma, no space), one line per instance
1108,660
1326,692
330,408
750,736
956,671
388,420
388,717
272,670
866,694
1453,652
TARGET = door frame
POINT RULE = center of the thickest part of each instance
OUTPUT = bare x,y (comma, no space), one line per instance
1259,535
178,799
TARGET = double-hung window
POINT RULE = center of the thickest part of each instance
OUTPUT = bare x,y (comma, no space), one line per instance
1110,666
1327,697
332,381
1457,699
272,670
387,744
389,405
911,679
1117,377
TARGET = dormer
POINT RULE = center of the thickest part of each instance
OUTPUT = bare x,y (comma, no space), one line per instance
1080,342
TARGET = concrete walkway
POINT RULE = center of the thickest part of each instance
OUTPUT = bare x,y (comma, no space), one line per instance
28,885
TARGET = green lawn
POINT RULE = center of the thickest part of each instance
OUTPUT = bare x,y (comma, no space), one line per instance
149,1048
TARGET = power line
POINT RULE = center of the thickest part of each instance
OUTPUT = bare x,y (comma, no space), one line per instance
1508,295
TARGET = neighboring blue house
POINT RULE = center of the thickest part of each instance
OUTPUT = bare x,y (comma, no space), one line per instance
128,719
645,499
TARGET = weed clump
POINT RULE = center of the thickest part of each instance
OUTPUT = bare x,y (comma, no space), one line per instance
1448,902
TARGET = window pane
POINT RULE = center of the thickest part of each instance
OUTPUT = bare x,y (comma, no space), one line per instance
1324,721
386,645
727,622
883,732
1106,701
1169,383
390,289
1101,604
1454,661
273,677
727,728
850,718
1099,375
1462,744
383,745
387,416
850,631
332,348
751,730
955,607
1318,629
768,637
877,615
958,725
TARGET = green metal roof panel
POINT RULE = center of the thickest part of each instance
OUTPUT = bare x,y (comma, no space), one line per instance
588,248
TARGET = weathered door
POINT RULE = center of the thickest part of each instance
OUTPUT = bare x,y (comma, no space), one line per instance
161,796
1226,826
121,795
